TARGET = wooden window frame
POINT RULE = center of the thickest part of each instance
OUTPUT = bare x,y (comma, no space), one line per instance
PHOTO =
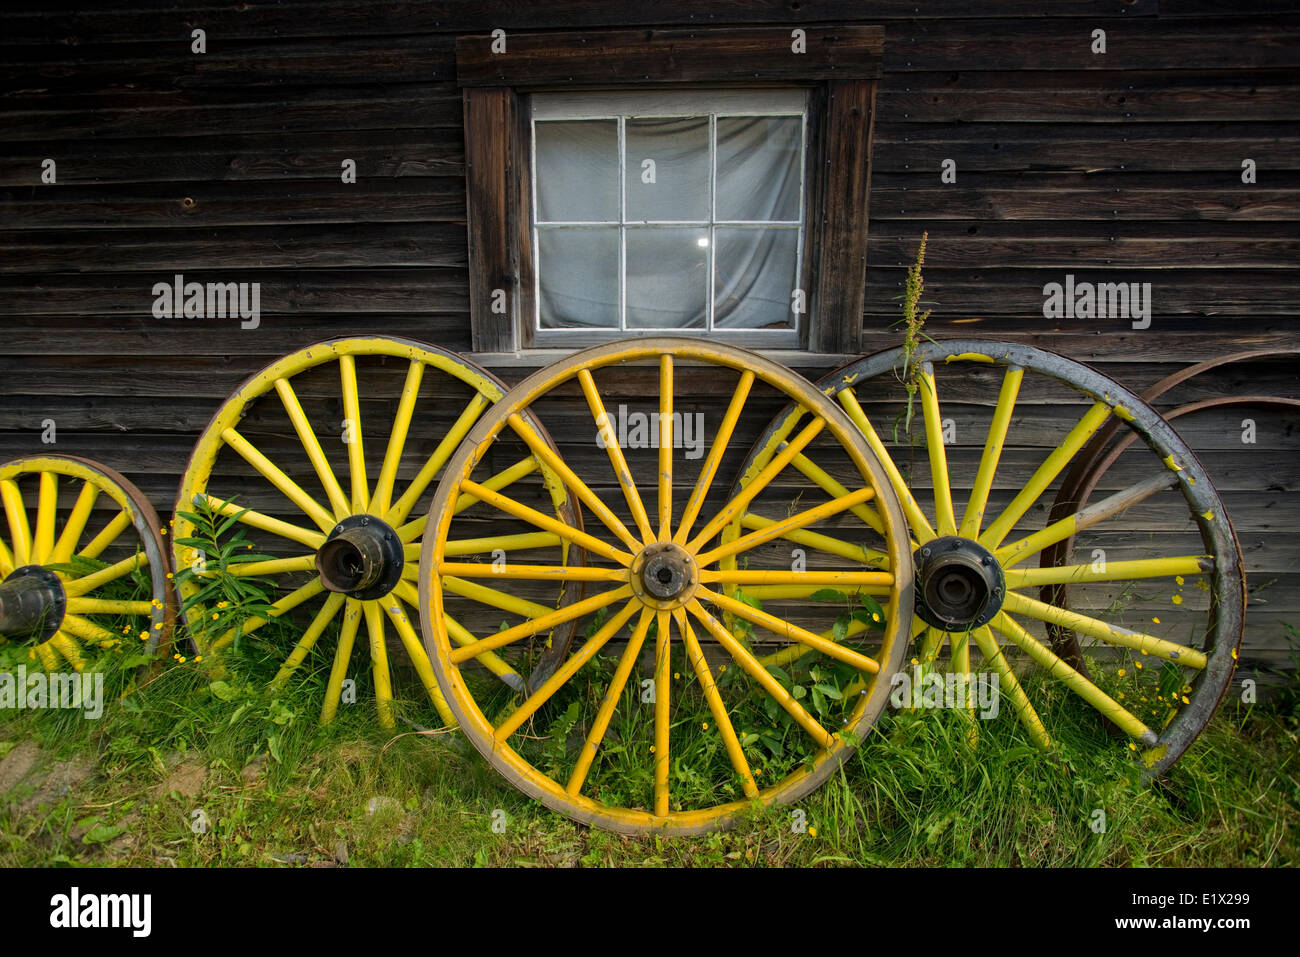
839,67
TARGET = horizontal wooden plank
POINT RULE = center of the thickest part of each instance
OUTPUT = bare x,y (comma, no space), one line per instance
1105,345
678,55
286,114
1171,147
362,244
65,22
266,156
1092,96
369,199
1066,179
1228,202
267,59
1138,44
1065,246
1007,292
317,296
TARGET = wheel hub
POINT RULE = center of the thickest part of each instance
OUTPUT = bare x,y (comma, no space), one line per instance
664,576
960,583
32,604
362,558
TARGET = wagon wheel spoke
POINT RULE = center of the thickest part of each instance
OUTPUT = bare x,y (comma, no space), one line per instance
70,602
1085,518
1107,706
653,573
717,708
973,518
429,470
608,704
355,547
1043,476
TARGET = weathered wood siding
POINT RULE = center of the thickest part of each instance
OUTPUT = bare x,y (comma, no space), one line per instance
1123,166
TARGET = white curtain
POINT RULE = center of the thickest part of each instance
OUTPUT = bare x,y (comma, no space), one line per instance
670,200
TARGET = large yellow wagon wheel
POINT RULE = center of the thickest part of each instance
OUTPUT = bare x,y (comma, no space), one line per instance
1158,596
666,717
336,514
83,562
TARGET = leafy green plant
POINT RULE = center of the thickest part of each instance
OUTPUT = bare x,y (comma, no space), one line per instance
227,600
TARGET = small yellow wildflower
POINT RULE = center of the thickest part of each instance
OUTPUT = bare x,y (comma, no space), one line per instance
162,531
1121,672
198,658
705,726
222,604
1186,700
1177,599
1179,579
915,662
181,659
1138,664
1132,746
1234,654
144,636
215,616
677,676
169,576
1156,620
812,831
652,749
874,617
158,626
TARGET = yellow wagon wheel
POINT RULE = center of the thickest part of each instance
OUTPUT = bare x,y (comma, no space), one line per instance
1157,592
83,562
666,718
334,516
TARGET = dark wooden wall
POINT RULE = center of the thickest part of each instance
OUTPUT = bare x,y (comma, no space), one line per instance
226,166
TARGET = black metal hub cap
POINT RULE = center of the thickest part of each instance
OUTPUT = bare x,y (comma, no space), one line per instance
664,575
32,604
362,558
960,584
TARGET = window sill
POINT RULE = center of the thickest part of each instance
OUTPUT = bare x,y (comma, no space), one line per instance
539,358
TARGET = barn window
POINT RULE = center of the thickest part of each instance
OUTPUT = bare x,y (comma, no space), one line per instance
704,182
669,211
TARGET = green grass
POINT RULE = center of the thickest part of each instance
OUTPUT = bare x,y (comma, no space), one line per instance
916,794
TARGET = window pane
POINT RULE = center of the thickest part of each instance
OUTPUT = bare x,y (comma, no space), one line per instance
758,167
578,277
577,171
755,278
679,149
667,278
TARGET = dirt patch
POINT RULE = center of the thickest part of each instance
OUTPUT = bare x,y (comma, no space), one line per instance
16,765
187,781
60,781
